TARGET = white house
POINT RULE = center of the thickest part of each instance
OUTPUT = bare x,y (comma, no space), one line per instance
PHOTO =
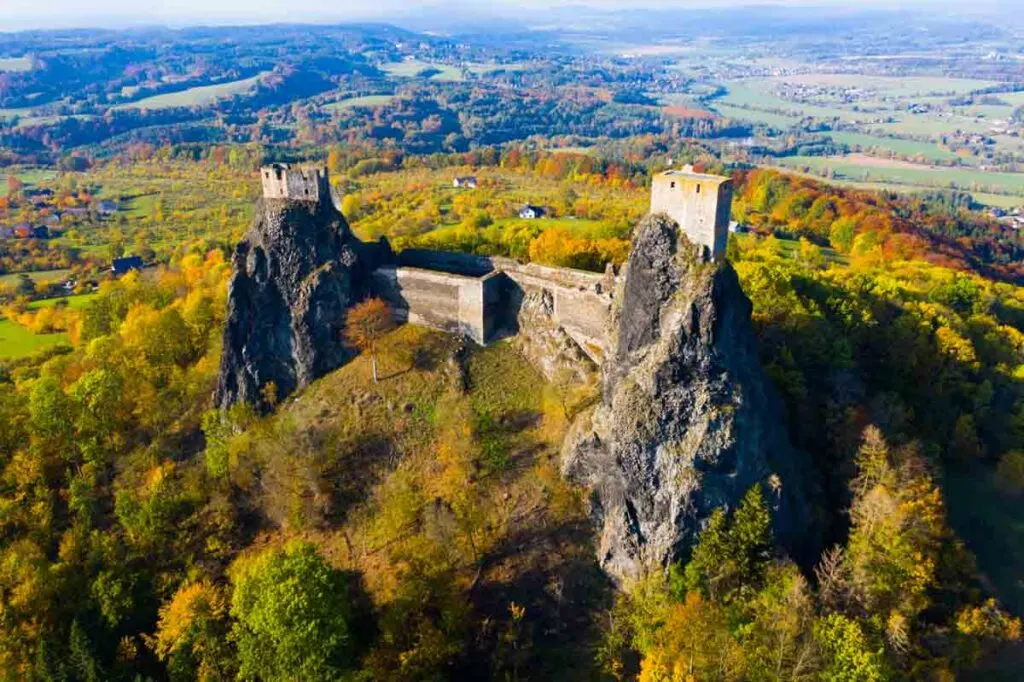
531,212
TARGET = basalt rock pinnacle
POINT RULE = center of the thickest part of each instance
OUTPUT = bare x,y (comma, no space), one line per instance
688,421
293,276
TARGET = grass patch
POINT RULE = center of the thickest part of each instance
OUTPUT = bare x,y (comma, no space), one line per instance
411,68
79,302
367,101
196,97
968,179
32,176
18,342
39,276
15,64
791,249
12,113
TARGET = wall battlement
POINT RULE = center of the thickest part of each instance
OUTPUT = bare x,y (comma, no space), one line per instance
700,203
299,183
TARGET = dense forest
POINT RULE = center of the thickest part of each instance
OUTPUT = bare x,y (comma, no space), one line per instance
411,515
418,528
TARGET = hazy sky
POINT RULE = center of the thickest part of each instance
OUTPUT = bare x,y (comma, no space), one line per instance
20,14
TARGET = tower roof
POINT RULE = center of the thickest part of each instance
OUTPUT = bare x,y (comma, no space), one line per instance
688,172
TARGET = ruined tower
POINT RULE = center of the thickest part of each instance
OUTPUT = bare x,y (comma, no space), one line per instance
301,183
700,203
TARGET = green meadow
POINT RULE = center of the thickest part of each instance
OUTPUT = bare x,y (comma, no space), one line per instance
196,97
18,342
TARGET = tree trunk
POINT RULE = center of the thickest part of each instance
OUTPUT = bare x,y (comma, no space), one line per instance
373,361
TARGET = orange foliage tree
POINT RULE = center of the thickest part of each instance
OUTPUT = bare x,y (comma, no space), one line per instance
366,324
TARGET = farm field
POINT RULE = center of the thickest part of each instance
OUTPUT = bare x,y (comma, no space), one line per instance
982,198
18,342
968,179
900,146
354,102
895,86
774,120
930,125
40,276
193,97
757,94
15,64
410,68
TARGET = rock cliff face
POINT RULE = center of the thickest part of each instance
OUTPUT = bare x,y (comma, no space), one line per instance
293,276
547,345
688,421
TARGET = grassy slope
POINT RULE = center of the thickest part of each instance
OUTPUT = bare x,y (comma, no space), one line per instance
79,302
17,342
962,178
536,531
38,276
192,97
354,102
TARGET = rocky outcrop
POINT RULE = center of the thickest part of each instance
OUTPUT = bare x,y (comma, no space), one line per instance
293,276
546,344
688,421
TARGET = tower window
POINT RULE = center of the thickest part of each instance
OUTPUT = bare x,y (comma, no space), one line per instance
698,189
673,184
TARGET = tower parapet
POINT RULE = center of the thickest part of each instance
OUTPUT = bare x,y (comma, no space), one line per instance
299,183
699,202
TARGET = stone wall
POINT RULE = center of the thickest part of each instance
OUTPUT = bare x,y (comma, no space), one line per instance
448,261
441,300
699,203
481,296
281,181
580,301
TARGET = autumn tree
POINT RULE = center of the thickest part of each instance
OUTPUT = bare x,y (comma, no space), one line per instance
366,324
291,615
191,634
898,527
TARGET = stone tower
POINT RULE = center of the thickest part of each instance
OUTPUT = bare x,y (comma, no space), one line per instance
699,203
304,183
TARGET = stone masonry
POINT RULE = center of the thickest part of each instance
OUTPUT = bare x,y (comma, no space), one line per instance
307,183
699,203
480,297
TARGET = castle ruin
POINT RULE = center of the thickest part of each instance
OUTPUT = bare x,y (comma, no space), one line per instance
699,203
302,183
480,297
